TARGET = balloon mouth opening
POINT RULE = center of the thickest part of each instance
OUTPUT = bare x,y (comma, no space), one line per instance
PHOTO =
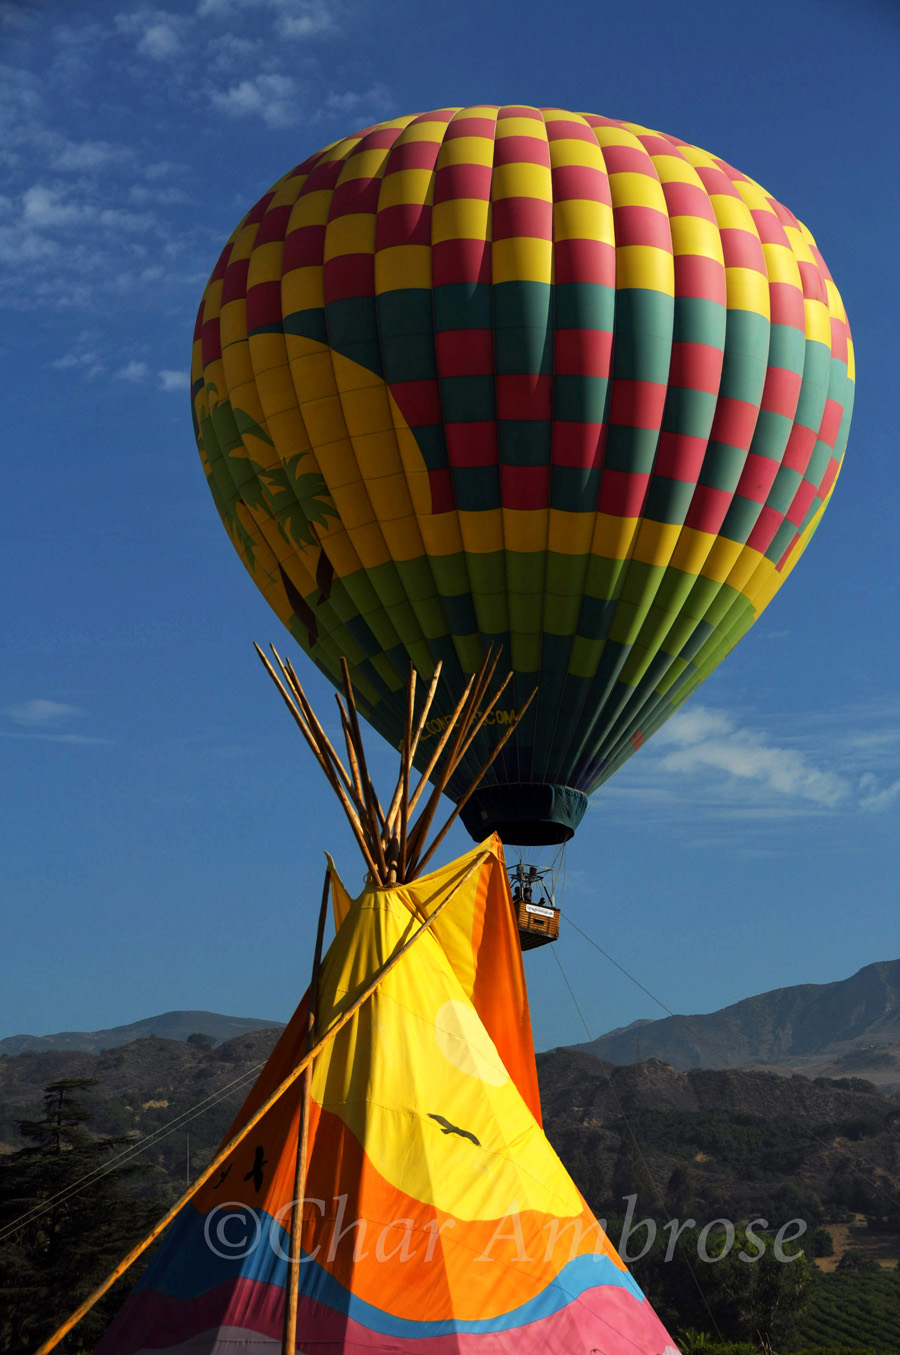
525,815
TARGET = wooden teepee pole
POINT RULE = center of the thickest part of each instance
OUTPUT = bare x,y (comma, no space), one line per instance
457,728
322,758
289,1342
334,1029
394,807
324,744
419,864
371,798
469,732
405,760
441,745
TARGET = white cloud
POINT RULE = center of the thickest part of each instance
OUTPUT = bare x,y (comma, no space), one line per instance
745,755
54,207
40,713
19,247
174,381
159,41
874,798
161,169
228,53
133,371
703,761
269,96
376,99
159,34
292,18
143,196
88,155
51,738
116,218
87,360
694,724
13,15
20,96
46,207
311,20
78,51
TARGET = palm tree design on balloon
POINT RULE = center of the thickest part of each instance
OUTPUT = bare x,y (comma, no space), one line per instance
299,501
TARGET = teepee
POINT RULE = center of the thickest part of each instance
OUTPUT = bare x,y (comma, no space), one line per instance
387,1185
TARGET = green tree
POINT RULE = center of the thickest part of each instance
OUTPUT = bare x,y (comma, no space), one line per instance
201,1040
758,1300
857,1260
680,1192
65,1242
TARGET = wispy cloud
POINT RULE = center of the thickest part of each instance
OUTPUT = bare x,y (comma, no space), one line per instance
134,371
43,206
229,54
874,797
707,761
39,712
92,215
45,720
51,738
291,18
76,156
157,33
160,41
82,357
13,15
310,20
372,101
709,739
174,381
271,97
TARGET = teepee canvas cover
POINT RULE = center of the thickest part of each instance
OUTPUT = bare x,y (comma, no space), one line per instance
437,1218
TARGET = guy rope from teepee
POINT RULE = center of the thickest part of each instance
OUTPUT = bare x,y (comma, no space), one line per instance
395,852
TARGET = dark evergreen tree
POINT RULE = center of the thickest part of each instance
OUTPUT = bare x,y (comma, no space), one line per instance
760,1301
632,1176
68,1241
821,1243
680,1192
202,1041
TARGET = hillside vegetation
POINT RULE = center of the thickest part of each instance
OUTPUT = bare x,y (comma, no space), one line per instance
695,1145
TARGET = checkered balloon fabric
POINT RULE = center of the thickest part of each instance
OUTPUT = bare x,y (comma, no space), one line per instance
524,376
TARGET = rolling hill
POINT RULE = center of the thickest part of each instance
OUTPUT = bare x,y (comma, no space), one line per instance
168,1026
832,1030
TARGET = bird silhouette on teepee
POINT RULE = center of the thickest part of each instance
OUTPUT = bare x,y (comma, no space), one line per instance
387,1185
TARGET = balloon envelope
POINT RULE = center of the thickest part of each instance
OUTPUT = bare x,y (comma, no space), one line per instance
526,376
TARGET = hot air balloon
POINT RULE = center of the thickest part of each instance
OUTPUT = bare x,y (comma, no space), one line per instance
525,377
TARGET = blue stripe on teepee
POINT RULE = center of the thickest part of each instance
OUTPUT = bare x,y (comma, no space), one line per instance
192,1236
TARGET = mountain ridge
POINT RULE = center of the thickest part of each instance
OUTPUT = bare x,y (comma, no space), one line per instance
821,1029
173,1025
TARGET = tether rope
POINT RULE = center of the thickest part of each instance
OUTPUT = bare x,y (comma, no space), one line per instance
651,1178
130,1152
726,1060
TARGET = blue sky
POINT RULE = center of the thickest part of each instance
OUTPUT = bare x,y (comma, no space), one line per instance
161,825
